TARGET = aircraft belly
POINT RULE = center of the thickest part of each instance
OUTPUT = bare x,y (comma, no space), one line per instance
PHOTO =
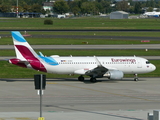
61,69
127,69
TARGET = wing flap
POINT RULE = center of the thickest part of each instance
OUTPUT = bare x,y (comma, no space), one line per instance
98,71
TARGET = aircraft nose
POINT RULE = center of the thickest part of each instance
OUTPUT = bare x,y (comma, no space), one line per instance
153,67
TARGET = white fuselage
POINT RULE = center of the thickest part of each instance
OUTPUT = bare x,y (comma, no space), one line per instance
78,65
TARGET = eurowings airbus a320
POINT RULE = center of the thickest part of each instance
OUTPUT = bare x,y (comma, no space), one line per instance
95,67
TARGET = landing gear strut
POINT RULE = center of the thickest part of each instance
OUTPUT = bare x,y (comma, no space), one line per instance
135,77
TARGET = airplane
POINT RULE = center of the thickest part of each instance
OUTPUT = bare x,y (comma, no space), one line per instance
111,67
152,14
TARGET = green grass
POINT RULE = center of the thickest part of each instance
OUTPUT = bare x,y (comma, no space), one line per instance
99,33
68,41
80,23
90,33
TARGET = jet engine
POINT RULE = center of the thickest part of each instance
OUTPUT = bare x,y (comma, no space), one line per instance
114,75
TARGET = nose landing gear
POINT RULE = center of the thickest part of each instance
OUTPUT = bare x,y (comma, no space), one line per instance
135,77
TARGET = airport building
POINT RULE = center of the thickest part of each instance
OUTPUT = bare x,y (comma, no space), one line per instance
119,15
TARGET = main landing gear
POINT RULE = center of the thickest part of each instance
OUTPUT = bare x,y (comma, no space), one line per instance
81,78
135,77
92,79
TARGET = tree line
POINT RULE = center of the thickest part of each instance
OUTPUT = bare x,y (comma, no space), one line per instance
79,7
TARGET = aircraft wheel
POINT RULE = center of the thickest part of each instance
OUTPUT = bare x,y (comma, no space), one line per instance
81,78
135,79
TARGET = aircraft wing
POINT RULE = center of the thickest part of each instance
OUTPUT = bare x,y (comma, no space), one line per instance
99,71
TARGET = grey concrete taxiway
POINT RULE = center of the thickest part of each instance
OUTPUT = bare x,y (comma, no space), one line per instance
69,99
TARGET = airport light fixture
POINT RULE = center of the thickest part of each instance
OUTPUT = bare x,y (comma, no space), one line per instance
17,9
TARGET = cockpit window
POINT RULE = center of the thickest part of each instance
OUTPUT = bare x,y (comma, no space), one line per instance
147,62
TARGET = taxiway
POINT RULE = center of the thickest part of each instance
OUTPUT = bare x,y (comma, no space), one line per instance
80,99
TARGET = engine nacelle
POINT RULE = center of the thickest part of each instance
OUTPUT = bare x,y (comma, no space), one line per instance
114,75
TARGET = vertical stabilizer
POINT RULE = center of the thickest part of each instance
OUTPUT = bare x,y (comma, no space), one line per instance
22,48
26,56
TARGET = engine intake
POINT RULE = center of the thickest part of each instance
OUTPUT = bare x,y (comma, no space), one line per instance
114,75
